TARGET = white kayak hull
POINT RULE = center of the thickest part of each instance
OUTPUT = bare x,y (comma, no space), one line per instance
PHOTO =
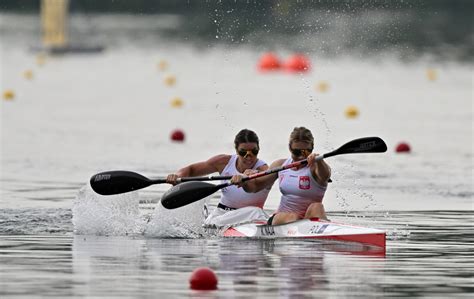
310,229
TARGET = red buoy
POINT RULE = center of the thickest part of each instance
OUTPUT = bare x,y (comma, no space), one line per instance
177,135
269,62
403,147
203,279
298,63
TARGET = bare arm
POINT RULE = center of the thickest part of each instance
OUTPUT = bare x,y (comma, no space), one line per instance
264,182
213,164
320,170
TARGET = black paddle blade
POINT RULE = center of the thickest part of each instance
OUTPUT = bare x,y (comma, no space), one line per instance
116,182
186,193
361,145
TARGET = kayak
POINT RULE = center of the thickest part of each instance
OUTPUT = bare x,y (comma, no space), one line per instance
313,228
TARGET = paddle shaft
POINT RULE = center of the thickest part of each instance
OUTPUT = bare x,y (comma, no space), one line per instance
270,171
197,178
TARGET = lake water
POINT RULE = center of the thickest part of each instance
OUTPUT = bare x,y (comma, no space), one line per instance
429,254
82,114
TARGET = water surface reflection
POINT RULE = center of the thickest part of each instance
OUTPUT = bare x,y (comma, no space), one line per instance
433,259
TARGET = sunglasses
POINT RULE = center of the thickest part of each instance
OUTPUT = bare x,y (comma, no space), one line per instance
244,152
301,152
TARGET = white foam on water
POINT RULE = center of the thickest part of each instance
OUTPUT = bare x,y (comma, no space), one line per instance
183,222
116,215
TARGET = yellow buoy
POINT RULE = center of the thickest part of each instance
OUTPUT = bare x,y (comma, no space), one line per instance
8,95
170,80
431,74
352,112
41,59
322,86
28,74
177,102
162,65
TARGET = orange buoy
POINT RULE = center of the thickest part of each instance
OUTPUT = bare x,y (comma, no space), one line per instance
403,147
177,102
177,135
8,95
352,112
203,279
269,62
28,74
297,63
431,74
170,80
41,59
322,86
162,65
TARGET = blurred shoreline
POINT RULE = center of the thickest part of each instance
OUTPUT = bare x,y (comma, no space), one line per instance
441,30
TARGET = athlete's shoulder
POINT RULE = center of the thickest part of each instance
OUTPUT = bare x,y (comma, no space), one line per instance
221,159
277,163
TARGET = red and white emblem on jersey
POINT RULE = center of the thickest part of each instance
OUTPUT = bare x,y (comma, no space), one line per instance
304,182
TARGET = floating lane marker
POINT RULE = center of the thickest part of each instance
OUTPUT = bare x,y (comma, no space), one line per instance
169,80
28,74
177,102
269,62
162,65
177,135
8,95
431,74
203,279
322,86
352,112
403,147
297,63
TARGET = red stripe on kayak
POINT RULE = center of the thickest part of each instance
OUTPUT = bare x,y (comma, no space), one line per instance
369,239
231,232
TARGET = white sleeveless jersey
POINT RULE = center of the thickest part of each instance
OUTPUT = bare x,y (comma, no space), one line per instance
298,190
235,197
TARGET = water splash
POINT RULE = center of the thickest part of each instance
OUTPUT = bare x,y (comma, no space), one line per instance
117,215
317,113
184,222
398,233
